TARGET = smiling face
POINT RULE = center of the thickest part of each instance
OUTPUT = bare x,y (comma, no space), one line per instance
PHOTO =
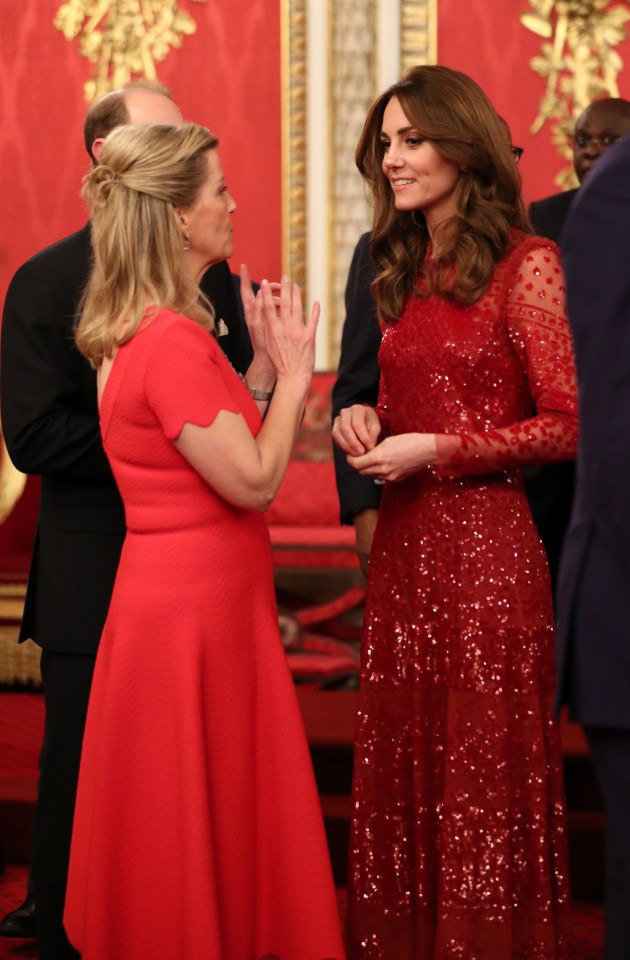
421,178
208,222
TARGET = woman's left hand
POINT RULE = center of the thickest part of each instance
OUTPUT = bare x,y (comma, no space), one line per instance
397,457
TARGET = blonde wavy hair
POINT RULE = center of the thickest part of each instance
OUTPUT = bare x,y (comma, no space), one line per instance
145,173
452,112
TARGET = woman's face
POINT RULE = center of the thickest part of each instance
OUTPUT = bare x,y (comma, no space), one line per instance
419,176
208,223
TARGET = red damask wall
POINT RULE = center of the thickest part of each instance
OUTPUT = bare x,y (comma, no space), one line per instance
485,39
226,76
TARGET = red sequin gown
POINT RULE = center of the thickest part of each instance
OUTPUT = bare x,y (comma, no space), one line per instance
458,843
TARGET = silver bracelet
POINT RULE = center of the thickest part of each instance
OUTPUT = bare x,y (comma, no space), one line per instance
260,394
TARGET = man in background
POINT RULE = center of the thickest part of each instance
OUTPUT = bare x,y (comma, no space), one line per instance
600,125
50,423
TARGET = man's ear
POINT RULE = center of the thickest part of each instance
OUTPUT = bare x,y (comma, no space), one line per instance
97,147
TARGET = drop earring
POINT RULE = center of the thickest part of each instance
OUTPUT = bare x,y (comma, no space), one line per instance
186,243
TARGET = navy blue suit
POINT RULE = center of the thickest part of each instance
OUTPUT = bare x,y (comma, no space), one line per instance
593,597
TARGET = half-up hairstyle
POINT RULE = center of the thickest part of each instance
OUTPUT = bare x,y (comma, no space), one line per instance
452,112
145,173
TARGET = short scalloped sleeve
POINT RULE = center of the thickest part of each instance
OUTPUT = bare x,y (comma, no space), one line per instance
187,379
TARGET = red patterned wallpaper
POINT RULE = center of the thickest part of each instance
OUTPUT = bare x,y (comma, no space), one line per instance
226,76
485,39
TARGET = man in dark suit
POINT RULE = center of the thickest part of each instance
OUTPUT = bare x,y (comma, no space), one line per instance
600,125
550,488
594,578
50,423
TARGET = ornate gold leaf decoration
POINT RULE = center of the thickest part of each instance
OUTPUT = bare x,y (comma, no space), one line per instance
294,94
123,38
577,61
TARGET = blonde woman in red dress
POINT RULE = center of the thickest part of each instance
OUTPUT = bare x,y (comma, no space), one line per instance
198,830
458,843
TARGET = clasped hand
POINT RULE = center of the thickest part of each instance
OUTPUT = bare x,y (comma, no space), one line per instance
356,431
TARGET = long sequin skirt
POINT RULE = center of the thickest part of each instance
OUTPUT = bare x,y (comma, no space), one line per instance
458,842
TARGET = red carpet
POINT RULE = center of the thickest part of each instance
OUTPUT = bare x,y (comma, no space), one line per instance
587,921
21,718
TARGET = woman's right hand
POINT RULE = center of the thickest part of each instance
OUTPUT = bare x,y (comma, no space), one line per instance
289,342
356,429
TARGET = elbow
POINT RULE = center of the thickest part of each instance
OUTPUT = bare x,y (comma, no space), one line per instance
256,498
262,500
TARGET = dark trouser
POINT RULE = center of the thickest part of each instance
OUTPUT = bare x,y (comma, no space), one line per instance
67,679
611,755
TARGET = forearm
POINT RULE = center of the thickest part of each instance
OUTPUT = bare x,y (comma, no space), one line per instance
547,438
277,436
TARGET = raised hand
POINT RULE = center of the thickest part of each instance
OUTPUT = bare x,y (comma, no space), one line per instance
289,342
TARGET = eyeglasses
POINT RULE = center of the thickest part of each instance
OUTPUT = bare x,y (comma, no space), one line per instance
581,141
517,153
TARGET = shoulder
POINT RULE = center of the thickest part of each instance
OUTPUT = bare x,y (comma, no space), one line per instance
530,257
531,247
558,201
67,250
172,330
62,263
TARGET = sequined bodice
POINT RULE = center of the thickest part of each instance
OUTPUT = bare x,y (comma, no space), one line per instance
480,373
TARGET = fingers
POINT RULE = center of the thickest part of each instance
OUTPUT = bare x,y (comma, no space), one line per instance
247,294
368,464
356,429
313,320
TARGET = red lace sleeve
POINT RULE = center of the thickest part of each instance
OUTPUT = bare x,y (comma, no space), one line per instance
539,331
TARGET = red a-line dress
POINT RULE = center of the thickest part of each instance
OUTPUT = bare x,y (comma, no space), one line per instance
198,833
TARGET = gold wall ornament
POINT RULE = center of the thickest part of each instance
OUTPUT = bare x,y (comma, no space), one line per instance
123,38
293,20
577,61
418,33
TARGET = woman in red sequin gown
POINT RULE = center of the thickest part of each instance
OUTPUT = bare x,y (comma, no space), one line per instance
198,832
458,843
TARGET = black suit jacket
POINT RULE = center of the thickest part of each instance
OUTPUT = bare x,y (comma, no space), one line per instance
594,580
358,375
50,423
548,216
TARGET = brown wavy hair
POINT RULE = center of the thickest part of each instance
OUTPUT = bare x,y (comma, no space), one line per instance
145,173
451,111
